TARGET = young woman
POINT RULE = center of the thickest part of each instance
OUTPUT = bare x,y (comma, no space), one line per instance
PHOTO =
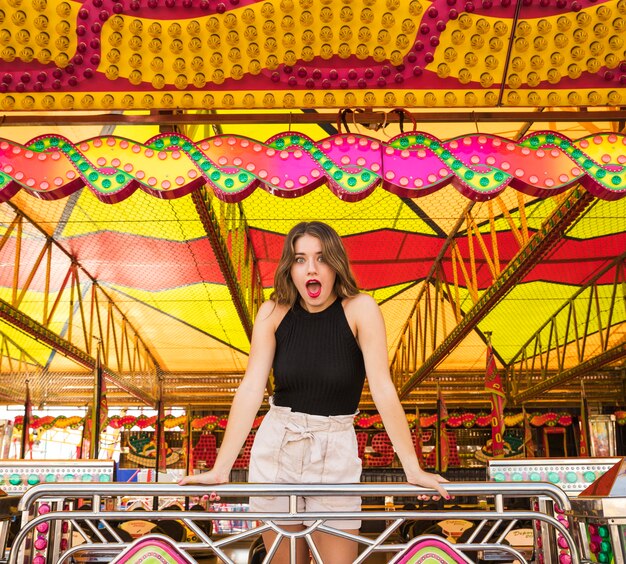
322,337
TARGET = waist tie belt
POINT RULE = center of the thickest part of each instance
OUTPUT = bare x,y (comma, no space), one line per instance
301,433
304,426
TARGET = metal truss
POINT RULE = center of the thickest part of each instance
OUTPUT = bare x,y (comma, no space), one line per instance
426,326
570,345
427,339
199,118
15,360
227,229
74,316
465,390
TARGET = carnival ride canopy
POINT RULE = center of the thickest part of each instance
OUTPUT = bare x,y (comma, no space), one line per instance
169,286
145,251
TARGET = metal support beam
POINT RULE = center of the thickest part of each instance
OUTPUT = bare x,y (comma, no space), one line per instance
528,256
247,289
210,221
64,347
405,358
425,327
612,355
568,338
10,349
298,117
90,315
216,232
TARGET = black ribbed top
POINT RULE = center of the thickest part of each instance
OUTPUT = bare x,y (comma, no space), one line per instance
318,365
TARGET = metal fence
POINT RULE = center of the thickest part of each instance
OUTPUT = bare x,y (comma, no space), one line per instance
80,522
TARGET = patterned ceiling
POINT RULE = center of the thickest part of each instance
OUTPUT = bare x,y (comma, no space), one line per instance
165,274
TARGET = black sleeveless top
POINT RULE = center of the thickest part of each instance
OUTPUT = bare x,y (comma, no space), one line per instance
318,365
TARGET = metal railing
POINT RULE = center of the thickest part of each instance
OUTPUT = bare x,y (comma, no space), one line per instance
97,526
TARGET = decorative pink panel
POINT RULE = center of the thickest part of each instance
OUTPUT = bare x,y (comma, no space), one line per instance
289,165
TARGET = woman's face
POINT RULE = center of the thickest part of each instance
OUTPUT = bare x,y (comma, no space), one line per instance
313,277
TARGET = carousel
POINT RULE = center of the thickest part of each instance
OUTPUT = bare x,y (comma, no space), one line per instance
153,155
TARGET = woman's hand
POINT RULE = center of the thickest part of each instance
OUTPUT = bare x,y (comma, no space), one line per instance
209,478
430,481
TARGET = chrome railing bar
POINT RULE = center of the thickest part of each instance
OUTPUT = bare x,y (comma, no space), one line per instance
374,546
243,535
370,544
506,531
313,548
272,549
96,531
508,489
492,547
310,516
81,531
93,548
498,502
293,547
492,530
477,530
111,530
216,545
196,529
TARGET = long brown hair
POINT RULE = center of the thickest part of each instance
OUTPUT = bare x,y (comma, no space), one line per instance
334,253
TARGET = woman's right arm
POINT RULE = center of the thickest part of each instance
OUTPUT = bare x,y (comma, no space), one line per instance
247,400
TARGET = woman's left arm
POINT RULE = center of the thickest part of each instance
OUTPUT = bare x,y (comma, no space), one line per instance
372,338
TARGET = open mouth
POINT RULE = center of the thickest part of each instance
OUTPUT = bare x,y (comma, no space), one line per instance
313,288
